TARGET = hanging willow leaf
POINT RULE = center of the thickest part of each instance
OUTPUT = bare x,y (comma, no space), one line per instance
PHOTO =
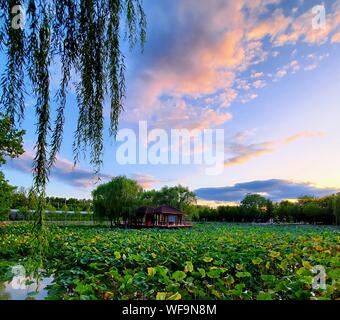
42,91
68,55
3,6
12,81
115,65
83,37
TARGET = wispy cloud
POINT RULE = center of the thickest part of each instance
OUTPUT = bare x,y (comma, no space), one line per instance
144,180
63,170
246,152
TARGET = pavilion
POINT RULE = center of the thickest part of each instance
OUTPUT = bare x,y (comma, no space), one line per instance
161,217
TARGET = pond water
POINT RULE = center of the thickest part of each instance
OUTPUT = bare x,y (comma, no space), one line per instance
28,289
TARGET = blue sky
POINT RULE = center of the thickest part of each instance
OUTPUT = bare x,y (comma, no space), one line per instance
257,69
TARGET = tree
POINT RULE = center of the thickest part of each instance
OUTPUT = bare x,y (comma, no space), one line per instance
6,191
286,211
10,140
179,197
117,199
305,199
51,211
269,213
312,211
65,209
24,213
206,213
10,147
336,208
255,207
20,198
230,213
84,35
32,199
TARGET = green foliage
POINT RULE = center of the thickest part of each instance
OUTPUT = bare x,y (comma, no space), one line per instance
10,140
6,191
22,197
336,208
210,261
311,210
25,213
286,211
178,197
117,199
258,207
10,146
65,208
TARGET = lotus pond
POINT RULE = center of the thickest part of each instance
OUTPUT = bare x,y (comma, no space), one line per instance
209,261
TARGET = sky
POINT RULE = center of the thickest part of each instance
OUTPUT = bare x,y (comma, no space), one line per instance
264,71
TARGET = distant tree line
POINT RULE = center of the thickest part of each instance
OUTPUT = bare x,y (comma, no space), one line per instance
22,197
255,208
118,200
25,200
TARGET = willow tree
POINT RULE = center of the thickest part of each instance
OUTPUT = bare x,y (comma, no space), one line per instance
85,38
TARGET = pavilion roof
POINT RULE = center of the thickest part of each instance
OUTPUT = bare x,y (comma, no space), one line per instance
168,210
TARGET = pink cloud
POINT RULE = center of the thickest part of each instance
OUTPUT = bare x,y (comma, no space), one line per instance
177,114
272,27
247,152
336,38
146,181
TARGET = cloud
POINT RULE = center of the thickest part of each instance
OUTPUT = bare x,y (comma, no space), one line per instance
248,97
246,152
336,38
63,170
200,51
281,73
177,114
243,135
291,67
313,61
258,84
257,74
272,27
146,181
275,189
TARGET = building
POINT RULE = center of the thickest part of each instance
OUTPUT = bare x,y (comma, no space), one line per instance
161,217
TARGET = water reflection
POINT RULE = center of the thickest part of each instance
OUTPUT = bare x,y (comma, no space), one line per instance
32,291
